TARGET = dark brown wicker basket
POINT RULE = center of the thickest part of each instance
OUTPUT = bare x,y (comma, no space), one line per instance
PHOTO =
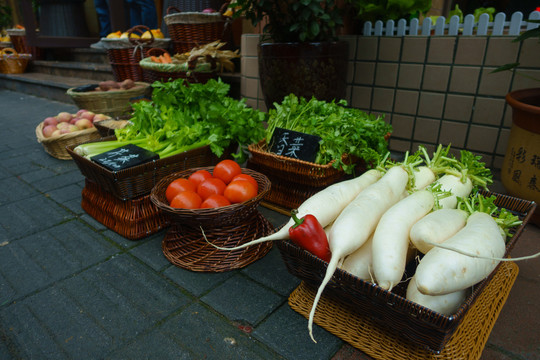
213,218
422,326
133,219
186,247
18,39
139,180
358,329
190,29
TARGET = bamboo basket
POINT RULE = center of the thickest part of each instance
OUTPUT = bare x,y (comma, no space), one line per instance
166,72
124,54
361,331
191,29
18,39
417,324
11,62
56,146
187,243
133,219
114,103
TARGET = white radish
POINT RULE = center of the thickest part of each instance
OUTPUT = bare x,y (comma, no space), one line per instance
391,237
423,177
442,271
446,304
325,205
357,222
457,186
359,262
436,227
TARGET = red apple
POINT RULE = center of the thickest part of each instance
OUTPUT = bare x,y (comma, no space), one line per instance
64,116
49,130
56,133
83,124
62,125
88,115
74,120
51,120
100,117
80,112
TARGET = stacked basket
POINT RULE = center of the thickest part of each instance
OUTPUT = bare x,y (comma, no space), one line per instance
191,29
120,200
190,241
18,39
11,62
407,330
125,54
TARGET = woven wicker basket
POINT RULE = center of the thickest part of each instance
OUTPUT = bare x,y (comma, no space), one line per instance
5,44
56,146
11,62
361,331
166,72
391,310
18,38
139,180
125,54
114,103
191,29
133,219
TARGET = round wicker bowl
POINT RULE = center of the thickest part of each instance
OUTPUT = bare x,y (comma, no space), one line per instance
113,103
225,216
56,146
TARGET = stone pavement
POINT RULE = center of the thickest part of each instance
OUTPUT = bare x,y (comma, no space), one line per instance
72,289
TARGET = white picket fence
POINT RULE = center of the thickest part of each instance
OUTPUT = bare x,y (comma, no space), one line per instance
499,26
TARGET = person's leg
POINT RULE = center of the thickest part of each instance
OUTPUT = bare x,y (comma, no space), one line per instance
102,11
148,13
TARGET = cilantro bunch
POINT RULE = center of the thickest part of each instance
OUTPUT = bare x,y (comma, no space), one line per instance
343,130
180,116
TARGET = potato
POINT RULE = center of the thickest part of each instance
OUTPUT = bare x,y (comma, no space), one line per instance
127,84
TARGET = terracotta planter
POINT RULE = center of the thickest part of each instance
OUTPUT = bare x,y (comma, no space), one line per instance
520,173
304,69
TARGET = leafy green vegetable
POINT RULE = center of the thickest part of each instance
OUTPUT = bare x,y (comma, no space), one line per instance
180,116
343,130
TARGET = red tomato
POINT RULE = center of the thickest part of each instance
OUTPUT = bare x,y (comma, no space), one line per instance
199,176
177,186
186,200
211,186
226,170
214,201
247,177
240,191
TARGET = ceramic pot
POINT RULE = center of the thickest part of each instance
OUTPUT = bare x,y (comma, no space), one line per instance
304,69
520,173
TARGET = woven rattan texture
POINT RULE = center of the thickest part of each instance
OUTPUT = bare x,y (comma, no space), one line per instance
387,343
139,180
133,219
214,218
56,146
190,29
18,39
114,103
420,325
13,62
186,247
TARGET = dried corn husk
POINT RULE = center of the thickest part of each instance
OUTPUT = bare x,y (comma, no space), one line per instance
208,53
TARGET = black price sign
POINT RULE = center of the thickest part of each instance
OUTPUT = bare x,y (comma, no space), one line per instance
295,144
124,157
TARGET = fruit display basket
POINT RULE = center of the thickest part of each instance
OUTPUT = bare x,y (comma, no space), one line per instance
416,324
57,146
188,243
165,72
133,219
114,103
139,180
190,29
358,329
125,54
12,62
293,180
18,39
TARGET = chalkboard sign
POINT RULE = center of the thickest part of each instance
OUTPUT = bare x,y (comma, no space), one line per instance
295,144
124,157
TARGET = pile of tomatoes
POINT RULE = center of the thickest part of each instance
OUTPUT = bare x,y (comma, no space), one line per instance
226,185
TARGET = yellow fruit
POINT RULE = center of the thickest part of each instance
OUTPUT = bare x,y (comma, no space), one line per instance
114,35
156,32
126,35
228,13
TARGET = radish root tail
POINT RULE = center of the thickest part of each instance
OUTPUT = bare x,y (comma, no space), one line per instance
442,246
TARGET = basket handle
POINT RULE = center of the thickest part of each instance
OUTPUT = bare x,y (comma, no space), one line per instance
141,29
155,52
9,51
171,8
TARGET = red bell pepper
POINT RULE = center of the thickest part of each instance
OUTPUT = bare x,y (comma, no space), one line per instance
309,234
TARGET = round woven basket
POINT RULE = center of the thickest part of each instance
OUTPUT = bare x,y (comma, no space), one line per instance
113,102
11,62
209,218
165,72
56,146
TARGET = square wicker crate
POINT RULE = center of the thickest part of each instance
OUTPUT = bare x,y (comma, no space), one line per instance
421,326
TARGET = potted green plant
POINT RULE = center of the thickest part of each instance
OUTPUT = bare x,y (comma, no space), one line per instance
370,10
299,51
520,173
